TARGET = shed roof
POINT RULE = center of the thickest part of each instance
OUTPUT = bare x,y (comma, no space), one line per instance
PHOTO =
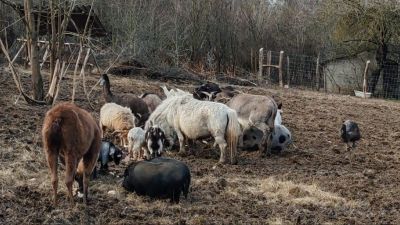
76,24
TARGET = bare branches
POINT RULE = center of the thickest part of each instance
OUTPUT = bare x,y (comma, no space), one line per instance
17,80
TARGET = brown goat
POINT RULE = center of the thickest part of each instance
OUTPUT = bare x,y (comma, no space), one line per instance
72,134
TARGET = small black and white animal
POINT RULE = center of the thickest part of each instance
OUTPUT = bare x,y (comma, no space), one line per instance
158,178
350,133
155,139
108,153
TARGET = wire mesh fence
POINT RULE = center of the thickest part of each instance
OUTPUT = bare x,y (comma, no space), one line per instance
342,76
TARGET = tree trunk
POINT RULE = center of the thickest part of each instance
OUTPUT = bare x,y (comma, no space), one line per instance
381,55
37,82
52,42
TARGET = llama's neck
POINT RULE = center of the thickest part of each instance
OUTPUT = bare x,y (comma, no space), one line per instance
108,96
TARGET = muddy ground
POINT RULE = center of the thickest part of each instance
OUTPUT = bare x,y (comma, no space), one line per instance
316,181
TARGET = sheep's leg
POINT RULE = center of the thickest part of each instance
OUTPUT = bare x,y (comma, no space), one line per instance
181,138
143,154
130,149
70,170
135,153
52,160
222,145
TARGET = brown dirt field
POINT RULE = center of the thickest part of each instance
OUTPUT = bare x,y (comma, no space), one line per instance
315,182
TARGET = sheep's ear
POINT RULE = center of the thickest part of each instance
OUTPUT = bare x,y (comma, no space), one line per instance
138,115
280,106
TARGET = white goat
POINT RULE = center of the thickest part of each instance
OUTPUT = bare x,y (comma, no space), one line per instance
117,118
137,143
192,119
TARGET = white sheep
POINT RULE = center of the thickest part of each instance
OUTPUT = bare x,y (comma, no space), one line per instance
137,143
190,118
117,118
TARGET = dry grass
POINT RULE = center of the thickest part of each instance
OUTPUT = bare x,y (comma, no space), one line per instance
287,191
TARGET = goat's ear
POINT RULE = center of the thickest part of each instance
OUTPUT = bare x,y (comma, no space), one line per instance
112,151
280,106
162,136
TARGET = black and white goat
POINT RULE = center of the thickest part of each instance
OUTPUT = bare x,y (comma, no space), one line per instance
156,141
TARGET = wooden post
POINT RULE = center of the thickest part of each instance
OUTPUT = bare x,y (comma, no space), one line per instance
288,71
365,78
317,74
281,69
45,56
75,71
251,60
325,88
260,65
269,56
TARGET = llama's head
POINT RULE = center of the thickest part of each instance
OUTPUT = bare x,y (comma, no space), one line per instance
104,80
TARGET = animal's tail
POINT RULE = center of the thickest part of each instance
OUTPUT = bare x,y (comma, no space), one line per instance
52,135
53,128
232,134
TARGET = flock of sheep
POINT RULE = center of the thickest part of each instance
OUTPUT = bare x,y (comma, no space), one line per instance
147,126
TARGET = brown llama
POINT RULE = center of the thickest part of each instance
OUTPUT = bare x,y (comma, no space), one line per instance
72,134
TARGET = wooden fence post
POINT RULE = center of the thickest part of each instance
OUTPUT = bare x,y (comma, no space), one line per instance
324,74
251,60
281,69
269,60
260,65
288,71
365,78
317,74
